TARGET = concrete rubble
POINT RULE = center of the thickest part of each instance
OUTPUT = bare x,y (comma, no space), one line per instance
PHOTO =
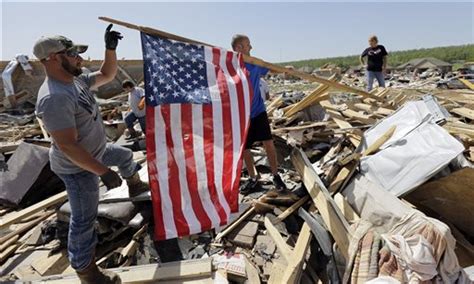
381,188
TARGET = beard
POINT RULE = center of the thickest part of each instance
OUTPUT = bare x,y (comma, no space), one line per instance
73,70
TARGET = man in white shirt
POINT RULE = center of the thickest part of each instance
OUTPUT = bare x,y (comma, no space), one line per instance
22,60
136,101
264,89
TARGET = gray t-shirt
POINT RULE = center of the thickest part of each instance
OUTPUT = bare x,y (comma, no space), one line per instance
134,99
62,105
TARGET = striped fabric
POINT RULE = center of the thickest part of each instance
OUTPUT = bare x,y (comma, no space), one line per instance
198,110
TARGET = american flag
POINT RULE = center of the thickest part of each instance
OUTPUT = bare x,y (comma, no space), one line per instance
198,110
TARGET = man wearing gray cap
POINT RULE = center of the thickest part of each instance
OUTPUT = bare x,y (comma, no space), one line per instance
79,154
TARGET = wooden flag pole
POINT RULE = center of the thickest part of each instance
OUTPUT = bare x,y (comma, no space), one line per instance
248,59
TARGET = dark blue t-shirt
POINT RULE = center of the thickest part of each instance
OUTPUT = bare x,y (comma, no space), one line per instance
375,57
258,105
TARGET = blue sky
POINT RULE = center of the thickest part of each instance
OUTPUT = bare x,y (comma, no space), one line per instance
278,31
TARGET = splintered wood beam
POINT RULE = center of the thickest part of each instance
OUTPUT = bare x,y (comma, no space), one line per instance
330,212
292,273
278,239
178,271
19,215
292,208
360,117
231,227
464,112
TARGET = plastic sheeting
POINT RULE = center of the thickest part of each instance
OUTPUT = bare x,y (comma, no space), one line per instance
24,167
418,149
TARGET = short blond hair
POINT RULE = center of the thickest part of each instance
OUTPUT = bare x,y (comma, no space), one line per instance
237,39
373,38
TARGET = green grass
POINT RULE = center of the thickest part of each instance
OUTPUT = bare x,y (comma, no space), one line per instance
451,54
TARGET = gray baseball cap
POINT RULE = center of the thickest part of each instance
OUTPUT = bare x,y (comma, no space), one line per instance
52,44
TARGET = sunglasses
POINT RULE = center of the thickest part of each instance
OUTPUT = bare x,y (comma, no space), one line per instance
69,52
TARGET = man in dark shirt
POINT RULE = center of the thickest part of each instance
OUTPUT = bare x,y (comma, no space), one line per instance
376,62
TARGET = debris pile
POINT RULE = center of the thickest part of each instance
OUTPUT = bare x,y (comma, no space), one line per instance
380,186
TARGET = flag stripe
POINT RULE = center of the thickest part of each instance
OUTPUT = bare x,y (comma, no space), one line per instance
152,172
163,175
235,122
209,159
201,164
179,157
227,125
238,102
173,176
191,169
218,132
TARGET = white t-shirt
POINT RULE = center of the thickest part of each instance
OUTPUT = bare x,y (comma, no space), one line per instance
23,60
264,90
134,98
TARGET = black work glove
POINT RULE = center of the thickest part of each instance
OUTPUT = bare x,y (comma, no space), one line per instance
111,38
111,179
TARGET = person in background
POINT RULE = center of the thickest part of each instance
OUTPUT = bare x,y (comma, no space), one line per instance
259,129
23,61
376,64
136,101
264,89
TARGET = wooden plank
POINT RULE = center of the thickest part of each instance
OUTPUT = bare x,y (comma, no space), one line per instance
373,109
25,227
330,212
17,216
274,104
342,123
301,127
346,208
53,264
328,105
292,273
282,246
292,208
7,252
179,270
341,177
278,269
228,229
252,272
360,117
464,112
8,243
372,148
26,273
467,83
316,96
129,250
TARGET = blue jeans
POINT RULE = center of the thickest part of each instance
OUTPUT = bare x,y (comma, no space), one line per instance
371,75
130,120
83,193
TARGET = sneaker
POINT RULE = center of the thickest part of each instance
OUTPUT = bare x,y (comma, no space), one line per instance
280,186
249,186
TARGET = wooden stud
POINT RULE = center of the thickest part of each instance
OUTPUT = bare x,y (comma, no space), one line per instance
19,215
292,208
330,213
292,273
